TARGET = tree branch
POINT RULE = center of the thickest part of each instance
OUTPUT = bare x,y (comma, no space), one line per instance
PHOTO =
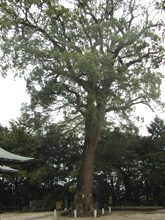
138,100
78,98
147,55
54,42
131,12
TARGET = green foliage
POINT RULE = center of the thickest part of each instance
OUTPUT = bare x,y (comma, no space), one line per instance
66,54
157,129
133,167
128,169
86,60
160,5
54,168
3,131
110,201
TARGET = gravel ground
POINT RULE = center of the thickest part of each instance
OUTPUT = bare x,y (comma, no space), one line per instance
115,215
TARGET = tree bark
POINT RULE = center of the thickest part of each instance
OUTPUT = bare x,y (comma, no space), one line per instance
83,200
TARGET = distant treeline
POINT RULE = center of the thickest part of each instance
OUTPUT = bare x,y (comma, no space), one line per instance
129,168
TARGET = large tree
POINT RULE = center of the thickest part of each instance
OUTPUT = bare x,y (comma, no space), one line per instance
87,58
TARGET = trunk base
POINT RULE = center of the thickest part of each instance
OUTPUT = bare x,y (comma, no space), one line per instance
83,204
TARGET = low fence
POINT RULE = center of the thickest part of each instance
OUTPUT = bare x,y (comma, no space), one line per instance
37,205
137,207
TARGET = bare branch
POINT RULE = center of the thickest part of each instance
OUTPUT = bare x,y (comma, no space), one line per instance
132,6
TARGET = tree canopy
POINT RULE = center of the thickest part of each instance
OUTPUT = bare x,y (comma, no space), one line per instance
105,52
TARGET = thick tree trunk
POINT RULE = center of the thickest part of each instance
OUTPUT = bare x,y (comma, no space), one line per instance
83,200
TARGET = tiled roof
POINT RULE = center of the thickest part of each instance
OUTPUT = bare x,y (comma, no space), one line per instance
6,169
10,157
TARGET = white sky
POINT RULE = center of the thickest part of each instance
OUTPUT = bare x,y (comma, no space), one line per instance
12,94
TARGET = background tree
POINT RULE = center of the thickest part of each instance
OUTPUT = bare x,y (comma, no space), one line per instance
152,155
3,131
129,169
157,130
89,59
51,175
117,163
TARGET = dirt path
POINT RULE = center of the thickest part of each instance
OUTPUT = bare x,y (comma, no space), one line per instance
115,215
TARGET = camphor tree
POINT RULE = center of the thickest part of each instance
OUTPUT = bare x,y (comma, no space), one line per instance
87,58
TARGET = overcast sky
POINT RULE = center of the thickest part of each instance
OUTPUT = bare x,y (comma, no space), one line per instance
12,94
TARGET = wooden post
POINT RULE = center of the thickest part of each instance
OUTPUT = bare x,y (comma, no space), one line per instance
109,209
102,211
95,213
